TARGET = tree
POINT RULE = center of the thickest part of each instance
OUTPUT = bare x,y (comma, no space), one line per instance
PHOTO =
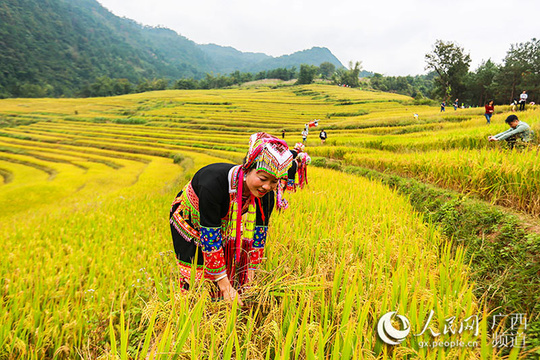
326,69
378,82
349,77
103,86
32,90
307,74
260,75
186,84
480,84
292,73
215,81
240,77
354,73
521,70
451,64
281,73
121,87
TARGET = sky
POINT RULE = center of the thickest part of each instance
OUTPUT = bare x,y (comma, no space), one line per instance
390,37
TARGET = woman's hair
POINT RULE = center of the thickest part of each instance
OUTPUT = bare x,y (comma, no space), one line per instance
294,153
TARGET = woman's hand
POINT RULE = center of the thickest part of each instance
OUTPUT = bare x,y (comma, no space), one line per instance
227,291
251,275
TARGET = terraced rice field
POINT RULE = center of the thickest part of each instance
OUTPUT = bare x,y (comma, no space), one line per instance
85,190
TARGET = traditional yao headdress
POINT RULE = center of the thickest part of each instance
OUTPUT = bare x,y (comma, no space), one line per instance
304,158
269,154
299,147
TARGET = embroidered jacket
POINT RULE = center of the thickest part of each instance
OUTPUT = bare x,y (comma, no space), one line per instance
202,214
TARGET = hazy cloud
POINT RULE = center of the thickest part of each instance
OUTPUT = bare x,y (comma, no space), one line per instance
389,37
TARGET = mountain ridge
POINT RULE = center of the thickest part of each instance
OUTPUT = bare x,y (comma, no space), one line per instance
57,47
229,59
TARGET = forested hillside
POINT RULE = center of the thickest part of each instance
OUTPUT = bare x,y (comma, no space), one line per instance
59,47
54,47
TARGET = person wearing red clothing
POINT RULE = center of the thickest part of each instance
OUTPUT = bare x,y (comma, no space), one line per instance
489,111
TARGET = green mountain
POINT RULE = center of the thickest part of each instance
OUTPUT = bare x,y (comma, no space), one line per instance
57,47
61,45
228,59
313,56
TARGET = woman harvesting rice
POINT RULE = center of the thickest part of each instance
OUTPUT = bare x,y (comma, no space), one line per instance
291,174
303,160
288,182
221,216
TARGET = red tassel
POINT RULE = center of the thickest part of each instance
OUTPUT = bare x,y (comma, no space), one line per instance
261,209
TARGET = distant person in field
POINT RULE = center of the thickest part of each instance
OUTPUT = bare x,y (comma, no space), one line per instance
523,100
518,132
303,160
323,136
456,104
221,217
443,106
489,111
304,135
513,105
291,174
283,134
286,184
